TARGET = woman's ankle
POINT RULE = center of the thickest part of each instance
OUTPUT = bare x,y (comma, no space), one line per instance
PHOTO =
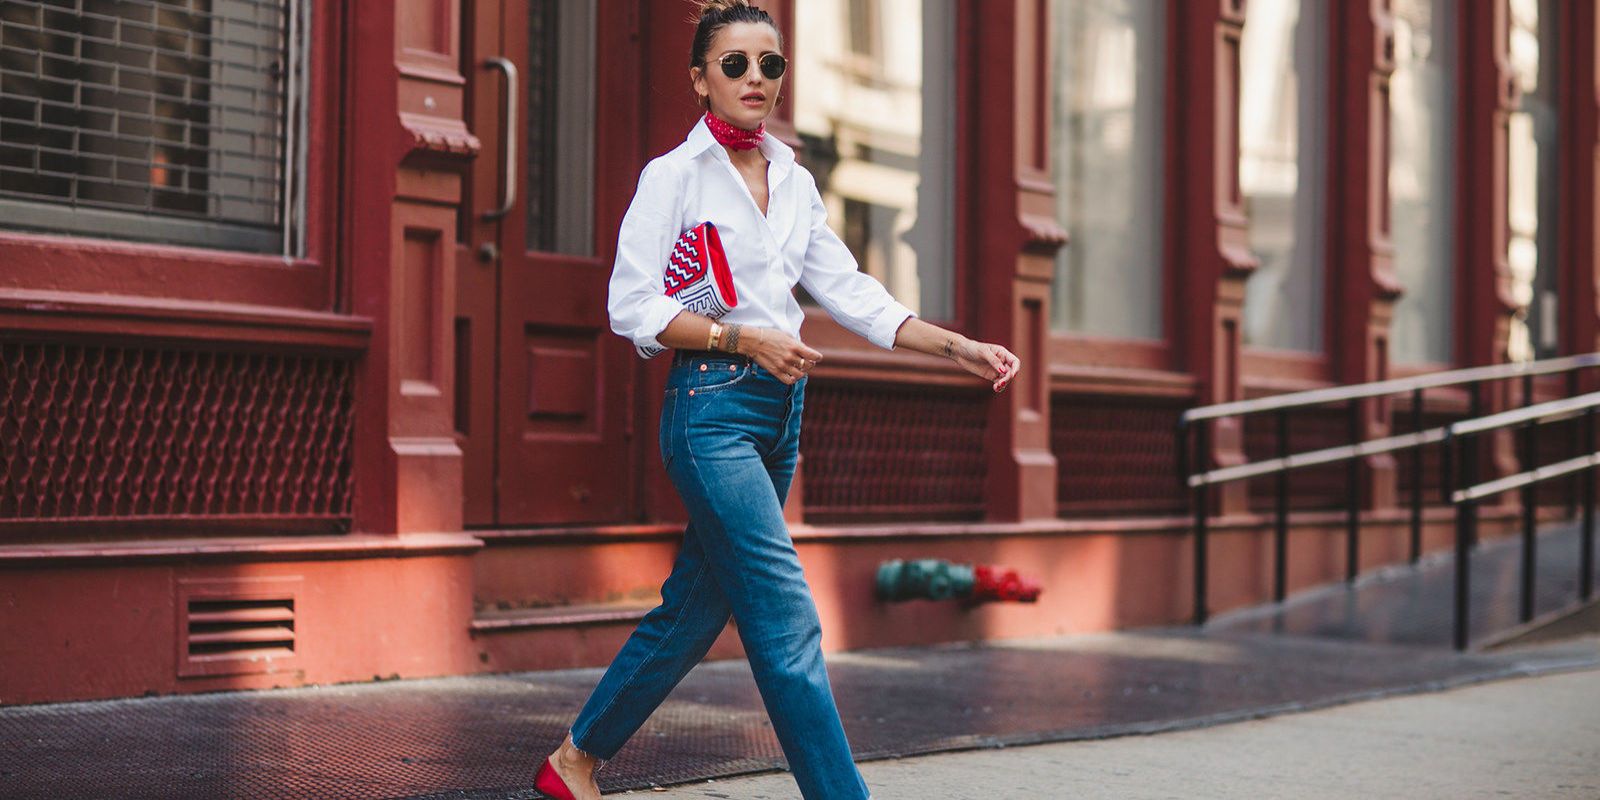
569,753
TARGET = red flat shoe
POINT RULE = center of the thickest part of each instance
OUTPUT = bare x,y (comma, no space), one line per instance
550,783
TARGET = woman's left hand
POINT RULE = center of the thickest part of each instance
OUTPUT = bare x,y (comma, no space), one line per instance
988,361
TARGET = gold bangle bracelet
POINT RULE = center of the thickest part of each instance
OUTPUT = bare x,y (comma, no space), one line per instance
716,333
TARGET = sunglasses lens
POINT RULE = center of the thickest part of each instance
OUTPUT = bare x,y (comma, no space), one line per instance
735,64
773,66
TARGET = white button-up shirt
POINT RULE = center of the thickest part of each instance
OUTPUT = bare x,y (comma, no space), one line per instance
767,255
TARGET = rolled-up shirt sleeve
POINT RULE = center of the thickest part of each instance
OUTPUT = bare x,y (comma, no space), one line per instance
636,301
855,299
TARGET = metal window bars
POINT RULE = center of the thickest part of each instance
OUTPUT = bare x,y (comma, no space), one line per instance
1460,465
180,121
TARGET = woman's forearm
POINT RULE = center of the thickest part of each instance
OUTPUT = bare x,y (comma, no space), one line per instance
689,331
926,337
786,356
991,362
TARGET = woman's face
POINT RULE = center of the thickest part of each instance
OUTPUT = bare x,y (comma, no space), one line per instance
745,101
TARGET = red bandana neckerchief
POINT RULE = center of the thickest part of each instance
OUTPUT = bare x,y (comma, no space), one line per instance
732,136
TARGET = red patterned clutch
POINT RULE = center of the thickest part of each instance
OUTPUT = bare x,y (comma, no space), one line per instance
697,276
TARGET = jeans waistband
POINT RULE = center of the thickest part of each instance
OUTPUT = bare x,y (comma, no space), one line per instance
698,356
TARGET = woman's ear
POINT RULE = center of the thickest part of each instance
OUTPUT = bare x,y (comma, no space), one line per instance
697,79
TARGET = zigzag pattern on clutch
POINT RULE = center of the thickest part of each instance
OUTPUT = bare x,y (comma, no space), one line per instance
684,266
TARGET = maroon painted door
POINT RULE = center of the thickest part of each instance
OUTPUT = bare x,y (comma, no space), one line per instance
544,416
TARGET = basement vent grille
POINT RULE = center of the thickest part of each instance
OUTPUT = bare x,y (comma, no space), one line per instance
235,633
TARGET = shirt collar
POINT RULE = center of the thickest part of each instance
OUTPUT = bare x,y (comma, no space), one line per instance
776,150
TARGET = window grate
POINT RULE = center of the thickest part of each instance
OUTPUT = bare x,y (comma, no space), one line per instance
155,434
178,120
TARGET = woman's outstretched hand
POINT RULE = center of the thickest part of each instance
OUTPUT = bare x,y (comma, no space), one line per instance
786,357
988,361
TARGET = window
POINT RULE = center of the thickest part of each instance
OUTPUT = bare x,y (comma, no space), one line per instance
180,121
1282,109
1531,168
879,135
1108,165
1421,179
561,114
865,39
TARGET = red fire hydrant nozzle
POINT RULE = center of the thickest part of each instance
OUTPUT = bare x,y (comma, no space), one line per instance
995,585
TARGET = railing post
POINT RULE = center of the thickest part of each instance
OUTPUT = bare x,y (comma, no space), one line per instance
1463,513
1575,429
1352,498
1467,524
1281,537
1470,451
1529,521
1202,448
1416,478
1529,508
1586,561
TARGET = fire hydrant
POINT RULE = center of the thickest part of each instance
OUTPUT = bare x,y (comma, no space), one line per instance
936,579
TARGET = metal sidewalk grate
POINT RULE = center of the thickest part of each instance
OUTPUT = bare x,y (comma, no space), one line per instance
482,737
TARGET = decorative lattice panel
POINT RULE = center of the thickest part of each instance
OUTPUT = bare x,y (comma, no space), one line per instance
1116,455
901,452
104,433
1311,488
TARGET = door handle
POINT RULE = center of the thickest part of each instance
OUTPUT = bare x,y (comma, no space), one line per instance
508,194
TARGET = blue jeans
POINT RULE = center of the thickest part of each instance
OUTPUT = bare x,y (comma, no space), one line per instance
730,433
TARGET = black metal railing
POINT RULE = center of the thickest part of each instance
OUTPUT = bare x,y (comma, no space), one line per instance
1195,426
1465,497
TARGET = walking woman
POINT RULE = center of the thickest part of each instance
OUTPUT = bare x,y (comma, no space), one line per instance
730,417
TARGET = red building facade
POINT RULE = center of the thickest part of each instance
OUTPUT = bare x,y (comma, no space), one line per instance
308,377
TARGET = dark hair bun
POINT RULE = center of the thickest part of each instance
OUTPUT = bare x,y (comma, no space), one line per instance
719,6
715,15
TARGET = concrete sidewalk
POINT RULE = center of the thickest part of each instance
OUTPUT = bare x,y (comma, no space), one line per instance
1534,737
481,737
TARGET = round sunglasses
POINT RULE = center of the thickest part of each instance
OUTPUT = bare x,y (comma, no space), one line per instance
772,65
